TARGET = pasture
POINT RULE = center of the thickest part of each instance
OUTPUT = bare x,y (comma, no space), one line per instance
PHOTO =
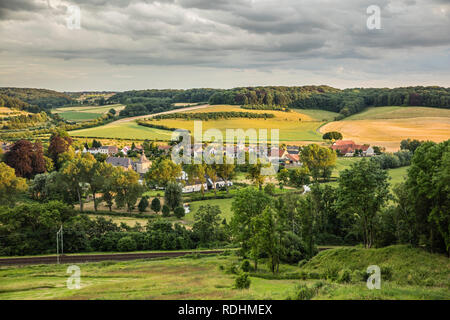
388,126
123,130
85,113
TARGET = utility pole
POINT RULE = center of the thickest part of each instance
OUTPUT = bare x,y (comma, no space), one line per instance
59,238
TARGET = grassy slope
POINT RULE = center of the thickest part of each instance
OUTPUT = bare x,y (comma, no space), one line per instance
399,113
84,113
415,275
224,205
125,130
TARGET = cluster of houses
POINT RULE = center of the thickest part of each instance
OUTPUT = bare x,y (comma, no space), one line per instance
141,166
196,185
349,148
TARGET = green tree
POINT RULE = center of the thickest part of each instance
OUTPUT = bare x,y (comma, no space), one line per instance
76,174
283,177
143,204
333,135
156,205
299,177
173,195
206,225
363,190
128,189
10,185
162,172
165,211
319,160
428,188
247,204
179,212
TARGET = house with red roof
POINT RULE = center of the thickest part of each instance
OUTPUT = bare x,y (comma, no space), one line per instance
348,148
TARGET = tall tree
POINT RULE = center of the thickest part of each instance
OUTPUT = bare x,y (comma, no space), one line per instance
319,160
77,174
26,158
128,189
60,142
173,195
162,172
363,190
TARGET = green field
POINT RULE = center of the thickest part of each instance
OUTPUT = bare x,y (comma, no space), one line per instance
319,115
123,130
85,113
415,274
399,113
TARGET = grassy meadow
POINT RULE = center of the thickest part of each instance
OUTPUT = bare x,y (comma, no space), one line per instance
124,130
85,113
407,273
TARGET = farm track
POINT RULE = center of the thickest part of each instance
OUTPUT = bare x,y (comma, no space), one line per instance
98,257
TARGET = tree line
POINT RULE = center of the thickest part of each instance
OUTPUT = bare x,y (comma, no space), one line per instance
214,115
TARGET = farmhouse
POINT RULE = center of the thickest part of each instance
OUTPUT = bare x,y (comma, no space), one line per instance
348,148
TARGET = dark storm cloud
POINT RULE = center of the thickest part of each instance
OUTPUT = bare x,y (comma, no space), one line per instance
265,34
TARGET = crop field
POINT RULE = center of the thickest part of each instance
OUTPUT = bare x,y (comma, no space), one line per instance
293,126
388,126
7,112
207,277
123,130
85,113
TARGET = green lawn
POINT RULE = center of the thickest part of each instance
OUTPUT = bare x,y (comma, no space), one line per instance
85,113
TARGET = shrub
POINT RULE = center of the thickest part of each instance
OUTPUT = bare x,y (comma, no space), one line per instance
156,205
331,273
126,244
302,262
245,266
270,189
165,211
143,204
386,272
179,212
304,293
344,276
242,281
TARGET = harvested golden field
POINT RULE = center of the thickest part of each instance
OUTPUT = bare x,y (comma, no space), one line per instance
390,132
294,127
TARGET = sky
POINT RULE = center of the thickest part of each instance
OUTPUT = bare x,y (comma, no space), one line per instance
142,44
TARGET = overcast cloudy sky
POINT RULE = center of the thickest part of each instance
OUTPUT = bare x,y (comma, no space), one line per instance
139,44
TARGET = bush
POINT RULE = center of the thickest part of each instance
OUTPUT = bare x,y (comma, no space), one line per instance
386,272
331,273
304,293
245,266
301,263
126,244
270,189
179,212
344,276
156,205
143,204
165,211
242,281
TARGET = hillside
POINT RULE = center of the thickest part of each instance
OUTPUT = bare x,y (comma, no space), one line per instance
388,126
